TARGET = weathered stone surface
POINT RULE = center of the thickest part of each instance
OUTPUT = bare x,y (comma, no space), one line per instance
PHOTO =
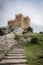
14,61
14,57
17,54
18,31
6,42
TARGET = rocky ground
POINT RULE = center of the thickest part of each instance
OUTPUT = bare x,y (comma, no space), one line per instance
6,42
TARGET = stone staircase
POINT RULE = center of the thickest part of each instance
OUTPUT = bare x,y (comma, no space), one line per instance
15,56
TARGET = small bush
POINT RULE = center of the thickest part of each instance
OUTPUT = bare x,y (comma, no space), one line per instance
30,29
1,32
24,32
34,40
25,37
17,37
41,32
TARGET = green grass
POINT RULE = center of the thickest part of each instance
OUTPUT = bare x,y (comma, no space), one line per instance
30,34
34,52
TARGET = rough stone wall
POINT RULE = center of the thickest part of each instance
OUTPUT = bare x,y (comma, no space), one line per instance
25,23
20,21
11,23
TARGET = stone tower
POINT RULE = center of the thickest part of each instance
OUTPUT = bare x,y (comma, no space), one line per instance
20,21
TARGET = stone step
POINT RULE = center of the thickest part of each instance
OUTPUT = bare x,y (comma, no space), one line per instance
15,54
15,57
14,61
12,64
15,51
18,49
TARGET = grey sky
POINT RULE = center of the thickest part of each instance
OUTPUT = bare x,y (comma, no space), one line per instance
31,8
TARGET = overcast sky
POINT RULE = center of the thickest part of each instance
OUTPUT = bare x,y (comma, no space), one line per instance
31,8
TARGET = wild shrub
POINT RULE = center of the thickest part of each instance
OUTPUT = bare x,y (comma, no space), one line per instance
17,37
34,40
1,32
30,29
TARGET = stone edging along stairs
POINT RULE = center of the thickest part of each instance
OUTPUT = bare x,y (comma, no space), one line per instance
15,56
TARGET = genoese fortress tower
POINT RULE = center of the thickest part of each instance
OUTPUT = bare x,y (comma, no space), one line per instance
20,21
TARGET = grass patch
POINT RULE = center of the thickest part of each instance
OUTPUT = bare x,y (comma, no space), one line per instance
34,52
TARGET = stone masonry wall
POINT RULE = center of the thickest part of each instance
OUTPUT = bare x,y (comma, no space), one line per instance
20,21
